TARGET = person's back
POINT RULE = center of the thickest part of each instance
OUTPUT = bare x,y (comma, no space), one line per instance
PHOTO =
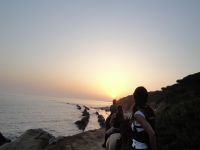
113,108
118,120
141,138
143,121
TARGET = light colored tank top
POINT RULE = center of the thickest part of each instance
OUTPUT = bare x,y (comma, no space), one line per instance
136,144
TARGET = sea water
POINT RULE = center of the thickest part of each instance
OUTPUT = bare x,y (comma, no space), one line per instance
57,116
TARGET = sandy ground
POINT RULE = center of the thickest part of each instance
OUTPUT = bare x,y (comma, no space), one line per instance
89,140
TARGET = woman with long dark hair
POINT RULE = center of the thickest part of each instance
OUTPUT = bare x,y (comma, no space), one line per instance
143,122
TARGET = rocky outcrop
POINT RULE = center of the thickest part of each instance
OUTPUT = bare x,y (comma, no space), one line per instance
84,121
78,107
101,120
85,113
97,113
3,139
86,108
54,141
33,139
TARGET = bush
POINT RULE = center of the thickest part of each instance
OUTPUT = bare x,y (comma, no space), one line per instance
178,127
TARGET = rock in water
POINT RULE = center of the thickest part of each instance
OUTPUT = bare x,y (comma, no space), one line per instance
32,139
84,121
78,107
101,120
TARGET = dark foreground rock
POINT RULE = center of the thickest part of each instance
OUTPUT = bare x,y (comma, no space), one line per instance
89,140
33,139
3,139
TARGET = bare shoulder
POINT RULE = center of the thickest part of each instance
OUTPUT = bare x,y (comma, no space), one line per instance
139,118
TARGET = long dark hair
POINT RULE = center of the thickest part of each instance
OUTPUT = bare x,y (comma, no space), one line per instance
141,96
120,112
119,109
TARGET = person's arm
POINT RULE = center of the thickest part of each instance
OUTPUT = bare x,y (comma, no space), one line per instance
146,126
111,120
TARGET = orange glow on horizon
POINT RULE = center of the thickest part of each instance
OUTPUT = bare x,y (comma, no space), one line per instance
113,96
113,84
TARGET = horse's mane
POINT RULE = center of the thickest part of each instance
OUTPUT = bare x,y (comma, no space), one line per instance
126,131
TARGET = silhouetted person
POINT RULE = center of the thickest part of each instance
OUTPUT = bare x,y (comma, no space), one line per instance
116,120
113,109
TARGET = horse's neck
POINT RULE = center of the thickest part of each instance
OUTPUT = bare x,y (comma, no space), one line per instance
125,144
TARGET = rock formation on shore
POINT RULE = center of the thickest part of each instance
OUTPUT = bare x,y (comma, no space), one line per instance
84,121
78,107
101,120
33,139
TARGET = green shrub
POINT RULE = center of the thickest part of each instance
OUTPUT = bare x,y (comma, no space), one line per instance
178,127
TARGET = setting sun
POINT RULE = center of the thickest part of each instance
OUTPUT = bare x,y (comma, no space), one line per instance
113,96
113,84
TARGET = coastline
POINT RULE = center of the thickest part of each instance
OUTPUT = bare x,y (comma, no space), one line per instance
90,139
86,140
37,139
21,113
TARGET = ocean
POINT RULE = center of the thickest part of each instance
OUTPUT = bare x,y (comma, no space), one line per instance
57,116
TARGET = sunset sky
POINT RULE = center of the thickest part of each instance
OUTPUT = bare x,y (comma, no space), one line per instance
96,49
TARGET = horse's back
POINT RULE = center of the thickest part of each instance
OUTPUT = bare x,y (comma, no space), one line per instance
112,141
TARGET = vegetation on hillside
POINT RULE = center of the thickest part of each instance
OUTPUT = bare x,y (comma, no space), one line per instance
178,127
185,89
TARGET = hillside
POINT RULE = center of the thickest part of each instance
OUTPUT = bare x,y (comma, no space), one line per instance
178,119
177,127
184,89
